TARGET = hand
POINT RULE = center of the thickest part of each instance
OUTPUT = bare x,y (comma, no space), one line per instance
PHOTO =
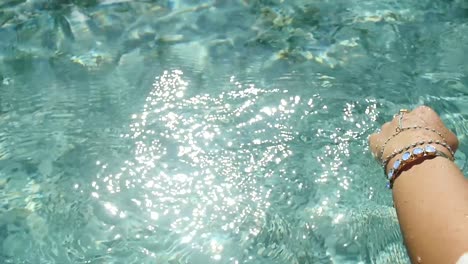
421,116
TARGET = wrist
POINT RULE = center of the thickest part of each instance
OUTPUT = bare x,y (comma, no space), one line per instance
444,151
409,137
413,148
406,141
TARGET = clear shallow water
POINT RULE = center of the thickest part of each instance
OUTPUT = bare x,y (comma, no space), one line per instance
213,132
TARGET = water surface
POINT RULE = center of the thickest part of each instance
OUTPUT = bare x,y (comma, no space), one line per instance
213,131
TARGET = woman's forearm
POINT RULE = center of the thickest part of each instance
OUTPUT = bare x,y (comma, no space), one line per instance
431,200
430,193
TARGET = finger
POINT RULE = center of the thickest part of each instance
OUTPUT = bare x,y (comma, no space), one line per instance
431,119
423,109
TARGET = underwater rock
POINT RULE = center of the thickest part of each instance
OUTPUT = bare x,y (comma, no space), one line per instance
462,3
37,226
20,61
171,38
308,15
221,49
138,37
64,25
5,17
10,3
94,60
109,25
3,182
15,244
12,215
194,54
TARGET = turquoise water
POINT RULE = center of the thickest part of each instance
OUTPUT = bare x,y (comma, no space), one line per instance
213,131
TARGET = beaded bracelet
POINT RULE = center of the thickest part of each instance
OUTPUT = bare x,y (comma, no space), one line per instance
397,152
404,129
408,157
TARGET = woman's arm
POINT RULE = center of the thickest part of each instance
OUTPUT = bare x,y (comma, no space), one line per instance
431,197
431,200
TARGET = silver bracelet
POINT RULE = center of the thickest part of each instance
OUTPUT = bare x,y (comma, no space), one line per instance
404,129
420,143
408,157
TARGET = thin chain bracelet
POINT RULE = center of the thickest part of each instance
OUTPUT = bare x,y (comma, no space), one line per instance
397,152
404,129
